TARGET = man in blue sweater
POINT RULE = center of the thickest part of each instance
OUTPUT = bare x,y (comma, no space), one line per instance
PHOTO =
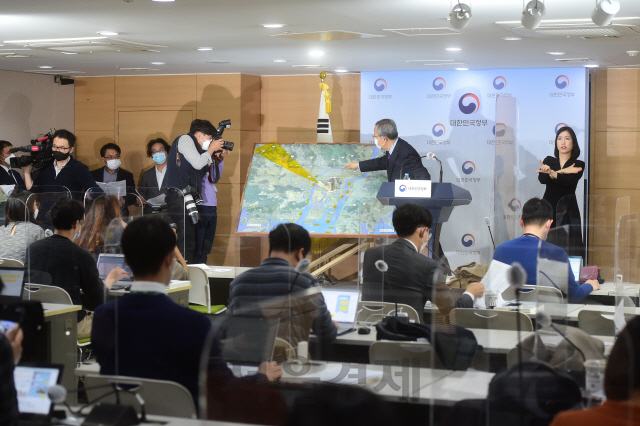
537,217
146,334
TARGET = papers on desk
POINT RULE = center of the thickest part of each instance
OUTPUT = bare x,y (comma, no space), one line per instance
5,191
345,375
495,280
118,188
200,265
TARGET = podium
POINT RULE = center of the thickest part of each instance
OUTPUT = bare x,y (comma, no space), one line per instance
444,198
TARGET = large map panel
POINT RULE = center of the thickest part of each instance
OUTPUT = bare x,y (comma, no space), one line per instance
308,184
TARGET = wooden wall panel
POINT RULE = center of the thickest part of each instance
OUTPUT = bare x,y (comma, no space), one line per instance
617,101
95,101
218,98
88,144
155,91
616,156
251,86
290,105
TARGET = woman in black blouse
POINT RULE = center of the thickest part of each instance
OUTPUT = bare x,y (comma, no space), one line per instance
561,175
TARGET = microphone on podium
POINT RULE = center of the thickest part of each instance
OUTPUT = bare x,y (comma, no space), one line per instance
487,222
432,156
402,165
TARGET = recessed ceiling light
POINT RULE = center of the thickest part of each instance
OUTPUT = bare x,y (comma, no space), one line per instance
592,66
46,40
453,49
156,63
556,53
513,38
342,70
69,53
205,48
44,66
462,69
273,25
280,60
107,33
316,53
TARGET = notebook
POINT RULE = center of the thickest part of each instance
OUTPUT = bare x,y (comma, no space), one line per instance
13,279
107,262
343,306
32,383
576,266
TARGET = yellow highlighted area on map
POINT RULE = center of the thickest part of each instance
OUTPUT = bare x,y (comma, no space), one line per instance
277,154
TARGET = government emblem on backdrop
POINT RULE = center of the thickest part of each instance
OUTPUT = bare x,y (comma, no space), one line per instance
469,103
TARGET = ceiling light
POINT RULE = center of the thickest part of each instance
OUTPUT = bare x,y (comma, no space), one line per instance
592,66
156,63
205,48
556,53
108,33
164,1
316,53
532,14
460,15
462,69
69,53
273,25
512,38
453,49
604,12
47,40
44,66
342,70
280,60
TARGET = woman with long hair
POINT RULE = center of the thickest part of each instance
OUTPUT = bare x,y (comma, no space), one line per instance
561,174
103,210
20,228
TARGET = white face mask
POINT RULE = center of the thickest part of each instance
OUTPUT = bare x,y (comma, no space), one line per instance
10,156
35,213
424,244
376,141
113,164
77,234
206,143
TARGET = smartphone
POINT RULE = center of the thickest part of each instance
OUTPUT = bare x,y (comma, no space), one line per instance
6,326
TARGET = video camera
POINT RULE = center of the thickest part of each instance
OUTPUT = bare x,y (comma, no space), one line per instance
225,124
41,153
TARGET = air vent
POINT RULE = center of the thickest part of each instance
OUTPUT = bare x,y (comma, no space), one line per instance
217,62
605,37
139,69
411,32
621,27
327,35
107,45
13,55
573,60
435,62
55,72
308,66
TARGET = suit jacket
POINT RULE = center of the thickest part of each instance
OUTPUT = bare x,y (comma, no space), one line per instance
126,176
409,280
404,157
149,184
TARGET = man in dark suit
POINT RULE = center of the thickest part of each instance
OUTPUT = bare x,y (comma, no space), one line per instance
400,158
111,172
152,182
411,278
8,176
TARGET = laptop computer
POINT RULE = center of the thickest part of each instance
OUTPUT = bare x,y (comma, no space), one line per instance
32,383
343,306
107,262
576,266
13,279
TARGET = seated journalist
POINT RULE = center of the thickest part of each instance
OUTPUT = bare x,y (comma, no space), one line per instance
145,333
411,276
60,262
537,216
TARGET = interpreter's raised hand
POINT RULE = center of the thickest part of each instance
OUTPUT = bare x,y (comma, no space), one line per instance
352,165
543,168
477,289
271,369
114,276
594,283
15,339
570,170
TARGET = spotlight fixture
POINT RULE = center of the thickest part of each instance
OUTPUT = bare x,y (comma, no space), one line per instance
604,12
459,16
532,14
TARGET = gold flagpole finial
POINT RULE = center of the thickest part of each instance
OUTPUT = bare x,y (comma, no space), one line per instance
323,75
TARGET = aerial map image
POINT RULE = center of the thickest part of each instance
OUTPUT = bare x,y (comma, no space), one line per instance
308,184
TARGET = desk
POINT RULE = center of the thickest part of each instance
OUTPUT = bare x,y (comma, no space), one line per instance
61,331
456,386
608,289
178,291
573,315
219,279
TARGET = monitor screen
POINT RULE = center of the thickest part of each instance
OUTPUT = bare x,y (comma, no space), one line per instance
31,386
13,280
107,262
342,304
576,265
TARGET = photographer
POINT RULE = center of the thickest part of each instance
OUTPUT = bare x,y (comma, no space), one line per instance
64,171
8,176
187,164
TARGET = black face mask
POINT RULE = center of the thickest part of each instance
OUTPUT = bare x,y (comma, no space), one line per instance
60,156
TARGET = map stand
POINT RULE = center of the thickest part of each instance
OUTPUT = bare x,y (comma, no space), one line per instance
444,198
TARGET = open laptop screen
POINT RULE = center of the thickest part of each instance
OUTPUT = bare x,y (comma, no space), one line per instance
13,279
576,265
31,386
342,304
107,262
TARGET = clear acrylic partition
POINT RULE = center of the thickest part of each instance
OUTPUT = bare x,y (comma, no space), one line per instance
18,230
625,263
507,205
46,196
4,194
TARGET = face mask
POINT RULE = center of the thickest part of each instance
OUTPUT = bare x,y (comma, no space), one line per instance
35,213
377,140
159,157
10,156
77,234
424,244
113,164
60,156
206,143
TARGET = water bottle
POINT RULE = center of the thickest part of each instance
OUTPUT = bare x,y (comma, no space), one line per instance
406,177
